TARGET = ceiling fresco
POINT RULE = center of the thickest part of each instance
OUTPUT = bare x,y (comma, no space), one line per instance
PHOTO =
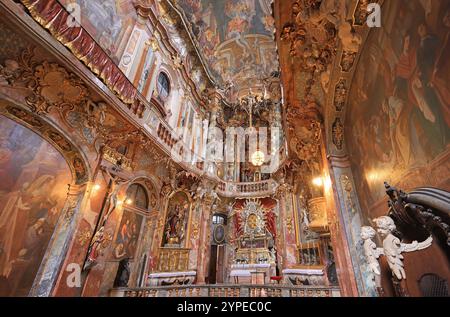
236,39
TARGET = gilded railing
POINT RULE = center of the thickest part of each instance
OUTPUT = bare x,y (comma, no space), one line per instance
226,290
250,189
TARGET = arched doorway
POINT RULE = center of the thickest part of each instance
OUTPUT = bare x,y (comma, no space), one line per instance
217,254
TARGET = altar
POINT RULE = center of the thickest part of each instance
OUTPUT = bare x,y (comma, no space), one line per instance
251,273
255,257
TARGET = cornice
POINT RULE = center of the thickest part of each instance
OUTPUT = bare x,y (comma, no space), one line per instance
146,12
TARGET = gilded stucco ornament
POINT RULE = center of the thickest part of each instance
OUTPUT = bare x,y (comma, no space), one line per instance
51,86
340,94
338,133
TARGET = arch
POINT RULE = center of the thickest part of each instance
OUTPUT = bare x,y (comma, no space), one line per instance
170,104
171,74
163,84
137,196
38,207
74,157
152,189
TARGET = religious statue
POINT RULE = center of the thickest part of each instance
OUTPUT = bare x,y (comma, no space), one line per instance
273,256
393,247
174,232
372,253
116,184
171,225
94,248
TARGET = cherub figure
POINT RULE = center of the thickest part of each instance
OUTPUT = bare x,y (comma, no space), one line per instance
393,247
371,252
9,72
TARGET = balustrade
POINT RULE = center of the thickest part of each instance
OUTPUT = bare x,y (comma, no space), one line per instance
250,189
228,291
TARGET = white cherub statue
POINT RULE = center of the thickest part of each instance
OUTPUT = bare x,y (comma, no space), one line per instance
371,252
393,247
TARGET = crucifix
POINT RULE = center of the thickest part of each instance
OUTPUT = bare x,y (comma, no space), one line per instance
109,205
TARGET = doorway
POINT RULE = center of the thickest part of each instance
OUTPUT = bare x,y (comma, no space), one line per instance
213,265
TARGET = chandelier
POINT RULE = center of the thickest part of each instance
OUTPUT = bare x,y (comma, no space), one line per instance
253,103
258,158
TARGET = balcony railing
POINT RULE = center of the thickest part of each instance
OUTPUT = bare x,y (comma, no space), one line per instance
227,291
250,189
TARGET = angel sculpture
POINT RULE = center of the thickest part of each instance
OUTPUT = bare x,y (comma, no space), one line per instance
200,192
371,251
393,247
215,196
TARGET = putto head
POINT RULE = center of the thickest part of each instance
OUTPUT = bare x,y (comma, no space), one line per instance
385,225
367,232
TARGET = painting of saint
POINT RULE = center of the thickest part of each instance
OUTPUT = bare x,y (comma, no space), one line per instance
400,113
128,235
175,227
31,198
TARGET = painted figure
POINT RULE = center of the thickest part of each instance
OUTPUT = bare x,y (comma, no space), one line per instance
94,250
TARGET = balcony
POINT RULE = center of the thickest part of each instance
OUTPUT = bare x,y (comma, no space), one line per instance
227,291
250,189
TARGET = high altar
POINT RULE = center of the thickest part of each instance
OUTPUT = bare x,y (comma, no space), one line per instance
255,257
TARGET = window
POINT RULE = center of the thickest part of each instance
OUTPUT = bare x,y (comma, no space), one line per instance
218,219
163,86
137,196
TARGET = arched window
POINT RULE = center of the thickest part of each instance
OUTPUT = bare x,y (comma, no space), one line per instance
219,223
163,86
219,219
137,196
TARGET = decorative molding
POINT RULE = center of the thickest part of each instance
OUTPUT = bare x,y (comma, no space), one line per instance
69,151
338,133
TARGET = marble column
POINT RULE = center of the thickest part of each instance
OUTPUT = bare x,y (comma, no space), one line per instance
286,244
345,225
60,242
205,241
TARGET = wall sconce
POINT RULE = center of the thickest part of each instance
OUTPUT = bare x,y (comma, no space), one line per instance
128,201
96,187
322,181
318,181
258,158
327,183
